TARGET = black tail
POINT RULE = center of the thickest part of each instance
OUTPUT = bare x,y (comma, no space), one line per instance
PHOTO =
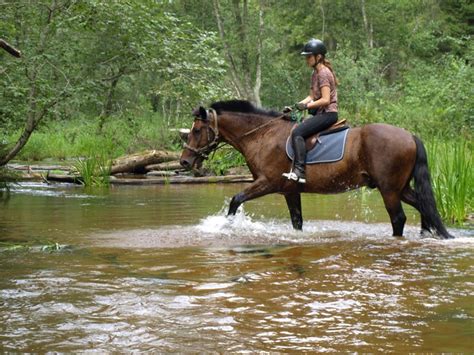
424,193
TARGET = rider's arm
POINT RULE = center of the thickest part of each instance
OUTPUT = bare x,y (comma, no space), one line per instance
307,99
323,101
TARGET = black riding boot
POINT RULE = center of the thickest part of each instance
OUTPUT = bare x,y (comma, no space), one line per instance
298,173
299,147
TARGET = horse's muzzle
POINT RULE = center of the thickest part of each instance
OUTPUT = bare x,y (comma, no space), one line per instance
186,164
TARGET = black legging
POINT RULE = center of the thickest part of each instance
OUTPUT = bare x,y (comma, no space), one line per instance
313,125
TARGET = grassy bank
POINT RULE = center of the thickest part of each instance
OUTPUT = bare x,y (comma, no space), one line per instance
85,138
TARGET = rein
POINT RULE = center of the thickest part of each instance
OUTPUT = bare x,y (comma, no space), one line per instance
213,144
261,126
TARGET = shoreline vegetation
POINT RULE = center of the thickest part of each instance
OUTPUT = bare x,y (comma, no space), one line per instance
72,150
87,89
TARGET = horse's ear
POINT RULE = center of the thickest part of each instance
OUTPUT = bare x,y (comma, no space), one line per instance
195,112
202,113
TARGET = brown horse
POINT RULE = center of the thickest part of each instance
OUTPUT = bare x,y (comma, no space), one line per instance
376,155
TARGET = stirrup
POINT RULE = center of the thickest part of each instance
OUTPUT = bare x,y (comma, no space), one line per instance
293,176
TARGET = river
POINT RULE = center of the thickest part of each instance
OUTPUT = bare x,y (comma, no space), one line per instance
161,268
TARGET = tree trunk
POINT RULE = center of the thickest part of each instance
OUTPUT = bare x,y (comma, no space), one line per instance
241,20
182,180
323,18
34,117
107,108
136,163
170,165
258,71
368,27
233,67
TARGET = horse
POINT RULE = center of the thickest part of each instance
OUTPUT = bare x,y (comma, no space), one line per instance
376,155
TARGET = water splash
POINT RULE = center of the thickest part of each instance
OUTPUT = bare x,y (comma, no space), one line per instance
220,223
245,229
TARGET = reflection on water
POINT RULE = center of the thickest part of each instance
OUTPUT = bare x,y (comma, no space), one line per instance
162,269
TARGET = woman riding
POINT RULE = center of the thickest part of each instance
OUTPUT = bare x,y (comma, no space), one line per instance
321,103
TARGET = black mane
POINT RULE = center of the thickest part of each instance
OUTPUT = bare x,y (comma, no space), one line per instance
242,106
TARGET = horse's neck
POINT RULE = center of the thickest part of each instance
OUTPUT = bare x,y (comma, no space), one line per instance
242,130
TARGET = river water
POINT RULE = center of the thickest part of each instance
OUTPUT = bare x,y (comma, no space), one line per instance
160,268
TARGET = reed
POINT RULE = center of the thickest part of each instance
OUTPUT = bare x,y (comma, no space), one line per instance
452,176
94,170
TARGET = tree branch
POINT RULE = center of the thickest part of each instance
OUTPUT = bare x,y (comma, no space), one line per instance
9,48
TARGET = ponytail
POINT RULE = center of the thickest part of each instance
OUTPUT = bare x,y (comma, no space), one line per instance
328,64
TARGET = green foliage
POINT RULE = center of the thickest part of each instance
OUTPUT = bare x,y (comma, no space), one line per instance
451,167
94,170
80,138
224,159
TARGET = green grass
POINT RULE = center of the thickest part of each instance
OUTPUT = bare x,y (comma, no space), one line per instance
451,167
94,170
82,136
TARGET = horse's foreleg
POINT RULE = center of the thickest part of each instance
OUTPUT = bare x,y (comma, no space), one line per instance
257,189
293,200
394,208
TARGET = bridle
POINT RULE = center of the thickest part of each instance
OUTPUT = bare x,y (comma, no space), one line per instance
213,144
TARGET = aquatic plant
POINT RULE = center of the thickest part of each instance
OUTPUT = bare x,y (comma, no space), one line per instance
36,245
453,178
94,170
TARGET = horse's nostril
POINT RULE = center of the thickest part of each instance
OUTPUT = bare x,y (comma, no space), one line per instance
184,163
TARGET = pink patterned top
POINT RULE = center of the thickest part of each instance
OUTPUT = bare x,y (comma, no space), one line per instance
320,79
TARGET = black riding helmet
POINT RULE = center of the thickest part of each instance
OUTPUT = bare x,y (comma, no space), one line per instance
314,46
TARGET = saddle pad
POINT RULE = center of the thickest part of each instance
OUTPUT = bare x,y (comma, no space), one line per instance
328,149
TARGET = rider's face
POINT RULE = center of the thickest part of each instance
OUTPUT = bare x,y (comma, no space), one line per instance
311,60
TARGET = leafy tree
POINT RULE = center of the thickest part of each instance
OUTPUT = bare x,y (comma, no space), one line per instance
78,53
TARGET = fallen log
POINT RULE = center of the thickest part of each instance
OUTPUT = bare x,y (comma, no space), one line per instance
73,179
38,167
182,180
161,173
170,165
136,163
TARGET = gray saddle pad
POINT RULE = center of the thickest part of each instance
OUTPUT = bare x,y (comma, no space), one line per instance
328,149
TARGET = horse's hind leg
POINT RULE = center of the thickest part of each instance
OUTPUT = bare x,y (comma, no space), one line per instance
394,208
408,196
293,200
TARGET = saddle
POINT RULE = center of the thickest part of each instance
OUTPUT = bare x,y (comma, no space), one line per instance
312,140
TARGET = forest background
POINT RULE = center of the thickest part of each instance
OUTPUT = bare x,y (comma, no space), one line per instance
114,76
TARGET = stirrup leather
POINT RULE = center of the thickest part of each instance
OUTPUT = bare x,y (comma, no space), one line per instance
293,176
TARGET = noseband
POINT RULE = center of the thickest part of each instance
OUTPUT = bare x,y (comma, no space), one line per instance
204,151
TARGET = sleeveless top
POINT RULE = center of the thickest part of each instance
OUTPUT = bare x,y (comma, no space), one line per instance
320,79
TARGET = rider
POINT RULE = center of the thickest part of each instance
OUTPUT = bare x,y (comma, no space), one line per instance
321,103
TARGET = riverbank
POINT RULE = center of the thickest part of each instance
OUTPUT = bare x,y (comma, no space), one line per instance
51,172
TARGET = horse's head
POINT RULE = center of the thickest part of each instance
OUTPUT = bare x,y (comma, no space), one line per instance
202,139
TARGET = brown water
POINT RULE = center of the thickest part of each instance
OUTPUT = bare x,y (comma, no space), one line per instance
161,268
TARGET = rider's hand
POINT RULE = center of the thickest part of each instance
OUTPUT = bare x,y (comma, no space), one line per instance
301,106
287,109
